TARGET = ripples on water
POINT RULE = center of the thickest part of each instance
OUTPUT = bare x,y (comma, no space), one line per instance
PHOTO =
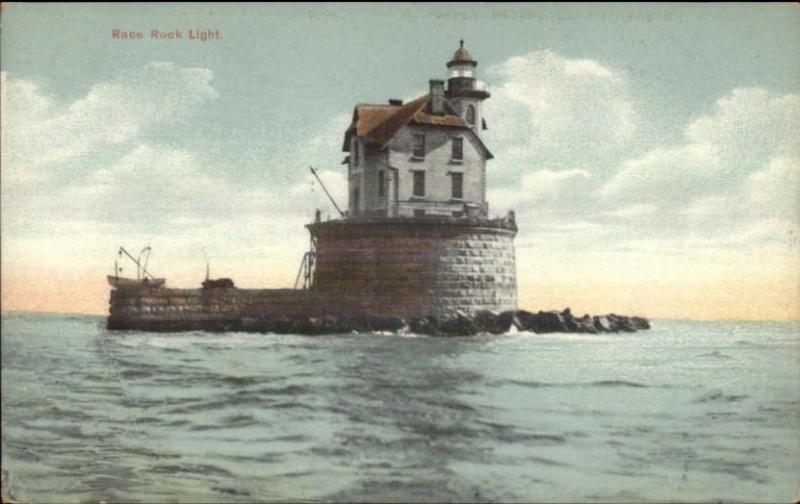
686,411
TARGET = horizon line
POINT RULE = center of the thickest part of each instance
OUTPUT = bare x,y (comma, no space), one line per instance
4,313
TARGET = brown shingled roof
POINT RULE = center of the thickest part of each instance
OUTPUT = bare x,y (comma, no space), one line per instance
386,130
378,124
366,117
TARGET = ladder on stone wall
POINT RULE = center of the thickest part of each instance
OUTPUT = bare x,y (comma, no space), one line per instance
306,270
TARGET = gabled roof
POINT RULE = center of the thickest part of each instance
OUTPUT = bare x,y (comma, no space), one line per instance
378,124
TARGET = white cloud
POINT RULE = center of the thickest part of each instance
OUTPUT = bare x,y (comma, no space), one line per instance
709,207
733,178
763,208
132,191
325,148
749,125
168,198
747,129
540,186
775,190
165,188
632,211
151,183
676,173
37,130
589,68
549,108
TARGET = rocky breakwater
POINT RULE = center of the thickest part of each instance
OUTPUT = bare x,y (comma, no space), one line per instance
482,322
524,321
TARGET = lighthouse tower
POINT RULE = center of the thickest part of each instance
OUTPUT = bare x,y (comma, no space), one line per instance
464,92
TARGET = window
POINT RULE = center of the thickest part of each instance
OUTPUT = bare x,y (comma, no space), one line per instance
471,115
457,189
355,152
381,183
458,215
419,183
419,146
458,149
356,198
419,213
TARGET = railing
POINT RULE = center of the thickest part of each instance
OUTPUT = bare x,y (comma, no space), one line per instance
468,209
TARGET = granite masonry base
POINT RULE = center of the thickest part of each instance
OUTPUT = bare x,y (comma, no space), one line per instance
287,311
413,267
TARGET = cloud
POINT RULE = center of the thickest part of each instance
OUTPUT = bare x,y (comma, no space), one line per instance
709,207
37,130
162,189
101,174
775,190
325,148
550,108
540,186
734,171
151,184
760,211
746,129
168,198
675,173
632,211
747,126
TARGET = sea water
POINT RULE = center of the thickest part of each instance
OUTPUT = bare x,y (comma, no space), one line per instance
688,411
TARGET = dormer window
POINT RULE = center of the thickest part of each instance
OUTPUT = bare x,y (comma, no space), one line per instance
458,149
471,115
419,146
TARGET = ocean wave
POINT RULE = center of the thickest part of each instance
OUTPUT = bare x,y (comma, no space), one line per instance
717,354
231,422
718,396
599,383
617,383
201,469
231,491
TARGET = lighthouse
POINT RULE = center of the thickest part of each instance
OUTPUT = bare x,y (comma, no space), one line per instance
417,238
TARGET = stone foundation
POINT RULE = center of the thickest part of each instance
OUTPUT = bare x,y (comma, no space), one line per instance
414,267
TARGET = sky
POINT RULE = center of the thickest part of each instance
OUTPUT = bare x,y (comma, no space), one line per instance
650,151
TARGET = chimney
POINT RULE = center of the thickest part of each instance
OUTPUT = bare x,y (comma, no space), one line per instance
437,96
